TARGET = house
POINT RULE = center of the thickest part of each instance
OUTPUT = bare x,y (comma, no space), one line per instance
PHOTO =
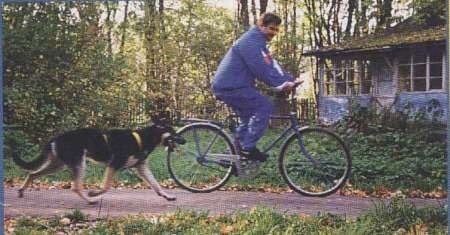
401,68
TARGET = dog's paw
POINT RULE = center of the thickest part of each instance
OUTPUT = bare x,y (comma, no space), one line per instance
168,197
171,198
92,202
20,191
94,193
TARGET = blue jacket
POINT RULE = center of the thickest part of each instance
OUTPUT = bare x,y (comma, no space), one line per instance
246,60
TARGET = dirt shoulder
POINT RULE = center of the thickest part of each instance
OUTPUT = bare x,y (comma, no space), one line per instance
122,202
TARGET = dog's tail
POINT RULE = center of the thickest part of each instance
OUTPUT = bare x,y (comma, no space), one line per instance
33,164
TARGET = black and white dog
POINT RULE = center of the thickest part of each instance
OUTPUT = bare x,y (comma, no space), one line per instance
116,148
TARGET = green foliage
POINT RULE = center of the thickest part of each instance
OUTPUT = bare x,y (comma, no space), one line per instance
386,218
54,65
62,69
397,161
76,216
28,225
427,10
389,217
395,151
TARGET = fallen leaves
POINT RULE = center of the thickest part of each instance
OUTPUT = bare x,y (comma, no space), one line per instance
9,225
64,221
347,190
226,229
383,192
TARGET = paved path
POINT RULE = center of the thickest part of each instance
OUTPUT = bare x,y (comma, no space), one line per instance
120,202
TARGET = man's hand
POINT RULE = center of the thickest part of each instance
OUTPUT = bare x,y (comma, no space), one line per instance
288,86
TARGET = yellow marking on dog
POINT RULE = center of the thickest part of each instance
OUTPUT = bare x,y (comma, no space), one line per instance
138,139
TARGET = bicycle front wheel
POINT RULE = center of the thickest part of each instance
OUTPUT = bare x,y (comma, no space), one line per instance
320,168
205,162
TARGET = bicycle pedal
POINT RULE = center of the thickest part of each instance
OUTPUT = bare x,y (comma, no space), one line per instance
225,163
247,169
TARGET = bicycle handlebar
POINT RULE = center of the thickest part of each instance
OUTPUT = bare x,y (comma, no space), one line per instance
296,84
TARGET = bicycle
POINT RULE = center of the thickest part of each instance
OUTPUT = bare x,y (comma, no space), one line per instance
313,161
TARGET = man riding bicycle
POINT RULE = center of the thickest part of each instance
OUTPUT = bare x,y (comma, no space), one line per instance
234,82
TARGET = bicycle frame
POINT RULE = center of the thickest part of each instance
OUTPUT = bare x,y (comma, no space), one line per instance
201,155
293,126
214,149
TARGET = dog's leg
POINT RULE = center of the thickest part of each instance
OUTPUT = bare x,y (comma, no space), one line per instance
51,165
146,175
77,180
107,181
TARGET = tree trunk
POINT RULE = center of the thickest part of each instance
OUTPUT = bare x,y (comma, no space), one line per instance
109,25
384,19
150,65
352,5
293,47
254,12
262,6
336,23
124,27
364,23
243,14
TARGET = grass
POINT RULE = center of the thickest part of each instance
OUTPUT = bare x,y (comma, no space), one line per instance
396,217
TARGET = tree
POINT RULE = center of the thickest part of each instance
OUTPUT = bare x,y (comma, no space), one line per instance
243,14
429,10
262,6
384,16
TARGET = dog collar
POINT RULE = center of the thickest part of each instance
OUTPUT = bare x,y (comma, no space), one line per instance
138,139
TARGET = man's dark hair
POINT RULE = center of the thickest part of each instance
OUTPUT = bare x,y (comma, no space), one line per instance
267,19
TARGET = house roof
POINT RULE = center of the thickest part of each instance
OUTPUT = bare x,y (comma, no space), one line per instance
407,33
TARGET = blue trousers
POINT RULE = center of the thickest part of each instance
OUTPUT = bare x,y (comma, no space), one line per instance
253,110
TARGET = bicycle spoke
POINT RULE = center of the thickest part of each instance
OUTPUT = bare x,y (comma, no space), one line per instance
217,169
316,164
198,167
211,144
187,152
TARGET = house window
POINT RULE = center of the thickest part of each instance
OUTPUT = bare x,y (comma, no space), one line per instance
346,77
420,70
365,77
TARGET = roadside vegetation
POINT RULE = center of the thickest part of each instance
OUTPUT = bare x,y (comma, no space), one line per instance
396,217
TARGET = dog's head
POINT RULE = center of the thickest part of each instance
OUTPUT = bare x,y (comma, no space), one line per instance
169,137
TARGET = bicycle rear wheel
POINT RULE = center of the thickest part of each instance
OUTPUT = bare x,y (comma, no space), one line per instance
320,170
204,163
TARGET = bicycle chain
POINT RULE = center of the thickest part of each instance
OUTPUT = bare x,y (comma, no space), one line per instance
247,169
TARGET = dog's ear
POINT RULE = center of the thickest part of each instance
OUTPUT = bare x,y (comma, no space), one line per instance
159,120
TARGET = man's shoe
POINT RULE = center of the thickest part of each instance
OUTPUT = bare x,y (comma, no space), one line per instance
254,154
